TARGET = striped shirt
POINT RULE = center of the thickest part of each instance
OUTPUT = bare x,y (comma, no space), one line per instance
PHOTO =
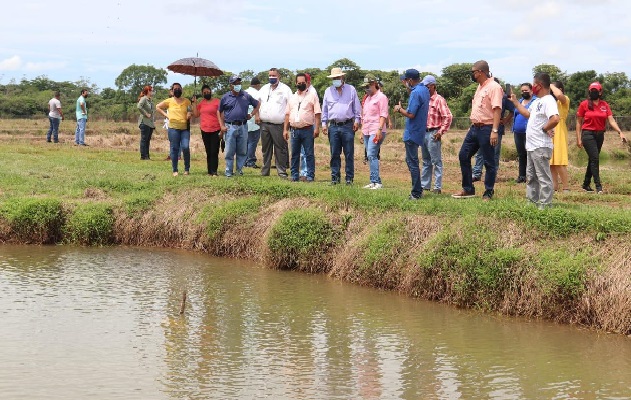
439,116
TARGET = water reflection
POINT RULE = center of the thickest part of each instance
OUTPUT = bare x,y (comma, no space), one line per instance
104,323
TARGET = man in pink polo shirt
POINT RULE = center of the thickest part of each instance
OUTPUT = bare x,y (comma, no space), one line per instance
483,133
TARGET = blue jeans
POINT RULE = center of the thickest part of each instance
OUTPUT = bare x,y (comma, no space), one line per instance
54,129
432,161
479,159
79,134
411,158
236,143
520,145
372,150
477,138
303,162
342,138
180,139
302,138
253,141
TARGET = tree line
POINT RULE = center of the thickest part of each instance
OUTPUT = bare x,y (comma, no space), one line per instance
29,98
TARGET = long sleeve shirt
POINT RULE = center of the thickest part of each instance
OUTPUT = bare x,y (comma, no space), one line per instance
341,107
439,115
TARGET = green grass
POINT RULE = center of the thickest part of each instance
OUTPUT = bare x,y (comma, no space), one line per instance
34,220
90,224
218,218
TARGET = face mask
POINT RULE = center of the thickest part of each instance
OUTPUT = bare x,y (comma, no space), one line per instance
337,83
273,81
177,93
594,95
208,96
302,87
525,95
473,77
535,90
237,88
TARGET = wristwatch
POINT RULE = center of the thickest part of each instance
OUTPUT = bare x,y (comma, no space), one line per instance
495,131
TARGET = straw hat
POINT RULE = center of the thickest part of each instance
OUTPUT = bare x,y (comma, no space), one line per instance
335,72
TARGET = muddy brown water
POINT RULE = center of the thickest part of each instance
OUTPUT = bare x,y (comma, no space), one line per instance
104,323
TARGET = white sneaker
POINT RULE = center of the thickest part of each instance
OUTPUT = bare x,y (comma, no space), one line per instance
376,186
370,186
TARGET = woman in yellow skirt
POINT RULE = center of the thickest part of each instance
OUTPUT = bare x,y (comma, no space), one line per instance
558,162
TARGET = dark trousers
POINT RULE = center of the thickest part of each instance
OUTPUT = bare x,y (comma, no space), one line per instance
478,138
592,143
342,138
273,143
520,145
145,140
211,144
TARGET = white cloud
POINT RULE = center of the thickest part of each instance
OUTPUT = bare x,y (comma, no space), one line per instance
11,64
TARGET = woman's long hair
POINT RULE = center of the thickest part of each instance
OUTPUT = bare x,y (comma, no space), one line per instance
145,91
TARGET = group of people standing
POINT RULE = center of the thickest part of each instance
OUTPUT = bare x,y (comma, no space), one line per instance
282,119
540,133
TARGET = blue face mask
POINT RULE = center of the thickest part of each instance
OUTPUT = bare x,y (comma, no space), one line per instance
273,81
337,83
237,88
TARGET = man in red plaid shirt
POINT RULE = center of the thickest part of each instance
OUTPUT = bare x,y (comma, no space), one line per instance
439,119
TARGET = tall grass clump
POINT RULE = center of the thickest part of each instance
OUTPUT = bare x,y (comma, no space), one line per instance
300,240
90,224
34,221
466,265
380,251
218,218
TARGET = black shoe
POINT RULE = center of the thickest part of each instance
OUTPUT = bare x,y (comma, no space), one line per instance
520,179
255,166
48,140
334,182
412,197
488,195
588,189
349,182
475,179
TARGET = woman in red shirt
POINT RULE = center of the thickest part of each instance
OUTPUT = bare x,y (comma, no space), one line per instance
591,119
208,112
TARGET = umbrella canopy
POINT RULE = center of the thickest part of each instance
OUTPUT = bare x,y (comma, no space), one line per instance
195,66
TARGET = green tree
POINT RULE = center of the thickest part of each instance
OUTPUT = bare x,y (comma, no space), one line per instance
454,79
135,77
353,72
555,72
577,84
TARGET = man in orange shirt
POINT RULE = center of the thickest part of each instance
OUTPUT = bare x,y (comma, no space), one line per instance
302,123
483,133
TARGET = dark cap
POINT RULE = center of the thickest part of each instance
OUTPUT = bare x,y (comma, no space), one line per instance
412,74
255,81
234,78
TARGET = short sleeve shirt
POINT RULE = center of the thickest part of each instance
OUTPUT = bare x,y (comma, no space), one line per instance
302,109
596,119
488,97
178,113
235,107
418,106
540,112
54,106
79,111
208,120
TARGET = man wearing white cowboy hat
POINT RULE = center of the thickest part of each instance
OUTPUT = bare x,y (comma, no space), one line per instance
341,112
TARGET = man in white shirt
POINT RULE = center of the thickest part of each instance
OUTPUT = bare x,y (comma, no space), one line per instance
543,116
274,97
254,131
55,115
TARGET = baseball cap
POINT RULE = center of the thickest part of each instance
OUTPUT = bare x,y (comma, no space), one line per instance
429,80
234,78
368,79
412,74
595,85
255,81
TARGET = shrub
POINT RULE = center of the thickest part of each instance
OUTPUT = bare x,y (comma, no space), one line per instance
219,218
300,239
90,224
35,220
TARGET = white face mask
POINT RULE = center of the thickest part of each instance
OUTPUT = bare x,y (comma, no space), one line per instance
337,83
237,88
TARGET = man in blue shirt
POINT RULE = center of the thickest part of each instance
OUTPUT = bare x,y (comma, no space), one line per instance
233,118
415,126
519,130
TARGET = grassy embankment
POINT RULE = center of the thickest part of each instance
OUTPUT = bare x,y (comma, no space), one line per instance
570,264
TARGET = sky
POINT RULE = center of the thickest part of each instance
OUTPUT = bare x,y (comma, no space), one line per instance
68,40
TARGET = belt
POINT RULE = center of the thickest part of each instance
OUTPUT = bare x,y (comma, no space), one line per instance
237,123
271,123
302,127
480,125
340,123
434,129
